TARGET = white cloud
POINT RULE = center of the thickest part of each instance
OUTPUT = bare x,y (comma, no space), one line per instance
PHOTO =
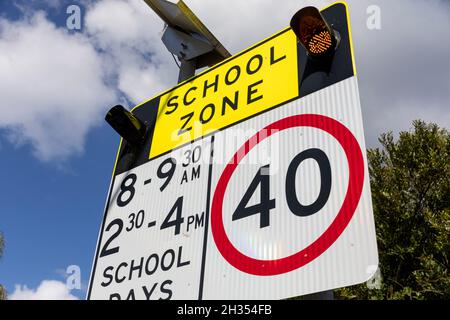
239,24
52,87
47,290
129,34
402,68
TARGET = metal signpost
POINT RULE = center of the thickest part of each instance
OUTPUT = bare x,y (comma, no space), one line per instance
187,37
247,181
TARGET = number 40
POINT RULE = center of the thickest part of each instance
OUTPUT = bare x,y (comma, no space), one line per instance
262,179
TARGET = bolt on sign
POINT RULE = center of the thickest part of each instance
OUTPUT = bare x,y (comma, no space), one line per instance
252,182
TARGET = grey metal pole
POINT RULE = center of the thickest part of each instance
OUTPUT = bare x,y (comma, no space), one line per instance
187,70
324,295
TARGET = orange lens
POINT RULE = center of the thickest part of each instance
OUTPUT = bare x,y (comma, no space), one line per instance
313,32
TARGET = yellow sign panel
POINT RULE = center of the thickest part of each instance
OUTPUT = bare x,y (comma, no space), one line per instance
256,80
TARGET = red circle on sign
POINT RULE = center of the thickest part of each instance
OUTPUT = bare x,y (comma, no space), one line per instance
331,234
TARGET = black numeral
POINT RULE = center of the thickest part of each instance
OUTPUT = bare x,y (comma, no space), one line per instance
136,220
126,188
105,251
192,156
167,223
262,179
265,204
325,186
168,175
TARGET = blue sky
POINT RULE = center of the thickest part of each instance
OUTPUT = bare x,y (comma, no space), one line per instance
57,153
51,212
51,217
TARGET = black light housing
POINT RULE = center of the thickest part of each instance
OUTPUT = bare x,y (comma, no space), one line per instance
314,33
126,125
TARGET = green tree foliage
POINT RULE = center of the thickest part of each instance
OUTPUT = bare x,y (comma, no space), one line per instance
410,182
2,289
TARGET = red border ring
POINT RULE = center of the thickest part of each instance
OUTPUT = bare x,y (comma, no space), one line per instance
322,243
